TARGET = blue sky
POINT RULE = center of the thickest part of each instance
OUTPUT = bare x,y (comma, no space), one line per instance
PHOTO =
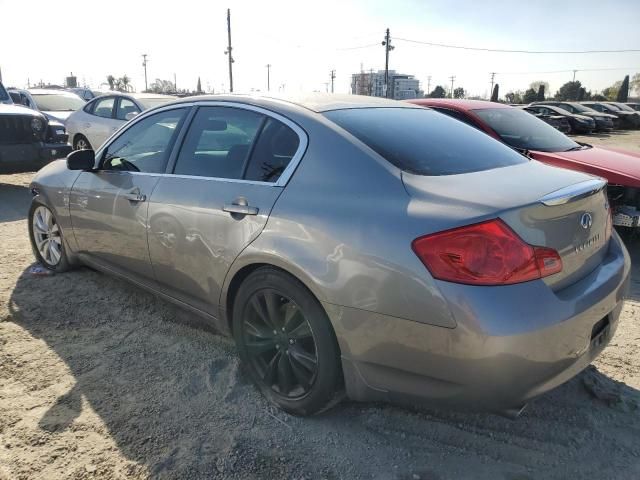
304,40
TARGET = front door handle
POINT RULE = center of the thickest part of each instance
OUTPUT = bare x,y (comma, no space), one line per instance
240,209
240,206
135,196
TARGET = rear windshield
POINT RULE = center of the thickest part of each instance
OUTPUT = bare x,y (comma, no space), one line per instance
54,102
521,130
425,142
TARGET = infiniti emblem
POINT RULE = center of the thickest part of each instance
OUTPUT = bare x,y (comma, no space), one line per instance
586,221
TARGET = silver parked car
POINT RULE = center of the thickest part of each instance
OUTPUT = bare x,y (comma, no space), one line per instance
350,245
96,121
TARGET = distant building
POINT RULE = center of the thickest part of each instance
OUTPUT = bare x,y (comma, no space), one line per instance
371,83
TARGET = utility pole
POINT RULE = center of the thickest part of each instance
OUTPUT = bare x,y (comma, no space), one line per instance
326,87
333,76
428,84
144,64
229,50
387,48
268,65
493,76
175,83
574,75
452,78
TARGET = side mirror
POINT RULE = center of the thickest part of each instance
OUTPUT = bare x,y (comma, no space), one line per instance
81,160
130,115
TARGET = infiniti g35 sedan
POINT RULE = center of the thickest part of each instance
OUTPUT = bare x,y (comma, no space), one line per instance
350,245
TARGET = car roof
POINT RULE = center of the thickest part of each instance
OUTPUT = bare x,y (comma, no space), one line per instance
316,102
458,103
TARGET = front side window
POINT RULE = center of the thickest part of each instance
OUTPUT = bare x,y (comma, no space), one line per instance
125,107
523,131
104,107
424,142
219,142
146,145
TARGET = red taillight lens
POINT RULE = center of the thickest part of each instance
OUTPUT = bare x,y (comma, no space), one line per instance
487,253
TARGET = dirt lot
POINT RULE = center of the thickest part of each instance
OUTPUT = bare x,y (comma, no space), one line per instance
101,380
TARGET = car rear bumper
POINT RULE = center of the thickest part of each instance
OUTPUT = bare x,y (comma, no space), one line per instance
30,156
510,344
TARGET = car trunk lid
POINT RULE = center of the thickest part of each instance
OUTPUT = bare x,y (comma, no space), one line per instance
545,206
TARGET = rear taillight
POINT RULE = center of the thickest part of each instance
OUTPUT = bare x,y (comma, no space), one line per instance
609,227
487,253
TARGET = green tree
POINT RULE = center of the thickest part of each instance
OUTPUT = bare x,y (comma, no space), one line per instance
529,96
540,95
438,92
569,91
111,80
539,83
514,97
459,92
494,94
623,91
634,85
611,92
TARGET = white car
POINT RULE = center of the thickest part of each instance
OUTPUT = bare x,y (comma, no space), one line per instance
91,125
55,104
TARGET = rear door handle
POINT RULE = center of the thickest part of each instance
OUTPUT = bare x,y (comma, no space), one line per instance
240,209
135,196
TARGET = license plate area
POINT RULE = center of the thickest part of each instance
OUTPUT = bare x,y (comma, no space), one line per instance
600,332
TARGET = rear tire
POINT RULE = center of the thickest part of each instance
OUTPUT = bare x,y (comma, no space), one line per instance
80,142
46,239
286,343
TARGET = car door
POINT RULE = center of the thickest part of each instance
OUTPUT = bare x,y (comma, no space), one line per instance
102,123
230,170
109,206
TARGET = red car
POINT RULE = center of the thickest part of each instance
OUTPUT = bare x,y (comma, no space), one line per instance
538,140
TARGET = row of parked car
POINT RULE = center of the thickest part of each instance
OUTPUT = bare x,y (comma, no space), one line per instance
587,117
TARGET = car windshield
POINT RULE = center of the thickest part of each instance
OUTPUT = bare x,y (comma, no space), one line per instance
150,102
57,102
624,107
524,131
425,142
582,108
4,96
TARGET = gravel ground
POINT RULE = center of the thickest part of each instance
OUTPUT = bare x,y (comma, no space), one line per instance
99,379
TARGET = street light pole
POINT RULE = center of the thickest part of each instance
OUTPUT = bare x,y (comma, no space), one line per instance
387,48
268,77
229,50
333,76
452,78
144,64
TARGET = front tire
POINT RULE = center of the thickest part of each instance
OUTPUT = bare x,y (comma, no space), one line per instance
286,342
46,238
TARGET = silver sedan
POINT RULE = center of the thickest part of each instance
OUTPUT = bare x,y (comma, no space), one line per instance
350,245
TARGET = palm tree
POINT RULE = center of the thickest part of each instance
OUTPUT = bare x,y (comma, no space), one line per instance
125,83
111,80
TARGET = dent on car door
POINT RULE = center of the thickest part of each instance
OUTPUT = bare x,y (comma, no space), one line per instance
224,184
109,206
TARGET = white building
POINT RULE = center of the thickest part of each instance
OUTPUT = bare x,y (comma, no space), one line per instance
401,86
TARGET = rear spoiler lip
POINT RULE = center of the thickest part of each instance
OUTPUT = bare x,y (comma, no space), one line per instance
573,192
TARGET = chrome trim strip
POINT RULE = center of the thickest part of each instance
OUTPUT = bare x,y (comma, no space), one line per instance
286,174
573,192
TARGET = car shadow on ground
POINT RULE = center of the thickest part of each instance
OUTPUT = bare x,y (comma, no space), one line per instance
175,401
10,196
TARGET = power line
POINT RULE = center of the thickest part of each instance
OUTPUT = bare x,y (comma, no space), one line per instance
571,71
361,46
501,50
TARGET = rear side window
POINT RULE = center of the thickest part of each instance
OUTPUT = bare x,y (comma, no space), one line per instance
424,142
274,149
104,107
